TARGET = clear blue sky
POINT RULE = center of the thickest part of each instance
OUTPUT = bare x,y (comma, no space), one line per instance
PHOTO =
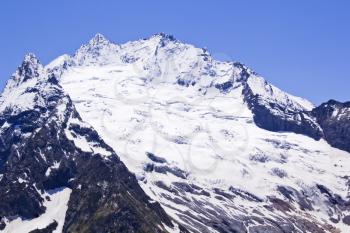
302,47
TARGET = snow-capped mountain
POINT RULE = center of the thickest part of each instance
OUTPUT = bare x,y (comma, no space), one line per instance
217,146
56,173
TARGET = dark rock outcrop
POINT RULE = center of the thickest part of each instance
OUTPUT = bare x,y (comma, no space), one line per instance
49,229
278,118
334,118
330,120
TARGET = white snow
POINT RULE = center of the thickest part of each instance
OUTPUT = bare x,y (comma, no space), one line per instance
82,143
55,165
14,95
58,61
20,180
129,94
137,107
79,141
260,87
55,211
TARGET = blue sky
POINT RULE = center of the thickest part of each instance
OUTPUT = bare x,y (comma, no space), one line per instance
303,47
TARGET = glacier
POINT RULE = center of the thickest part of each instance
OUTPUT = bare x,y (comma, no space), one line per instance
200,136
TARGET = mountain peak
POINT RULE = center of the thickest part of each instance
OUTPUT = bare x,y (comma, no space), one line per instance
31,57
21,91
333,102
163,35
98,50
30,68
99,39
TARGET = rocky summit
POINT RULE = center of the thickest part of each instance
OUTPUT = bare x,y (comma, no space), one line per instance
155,135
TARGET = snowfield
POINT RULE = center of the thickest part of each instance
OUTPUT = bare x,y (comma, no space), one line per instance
160,96
179,120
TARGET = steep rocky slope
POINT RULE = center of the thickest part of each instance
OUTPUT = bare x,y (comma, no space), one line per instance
334,118
57,174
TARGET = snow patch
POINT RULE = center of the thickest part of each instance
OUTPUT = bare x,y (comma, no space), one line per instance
55,211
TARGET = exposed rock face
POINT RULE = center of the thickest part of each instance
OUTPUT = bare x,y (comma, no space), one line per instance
46,146
330,121
277,117
334,118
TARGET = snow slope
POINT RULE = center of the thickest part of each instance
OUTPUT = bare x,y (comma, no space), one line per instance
56,173
56,203
177,118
